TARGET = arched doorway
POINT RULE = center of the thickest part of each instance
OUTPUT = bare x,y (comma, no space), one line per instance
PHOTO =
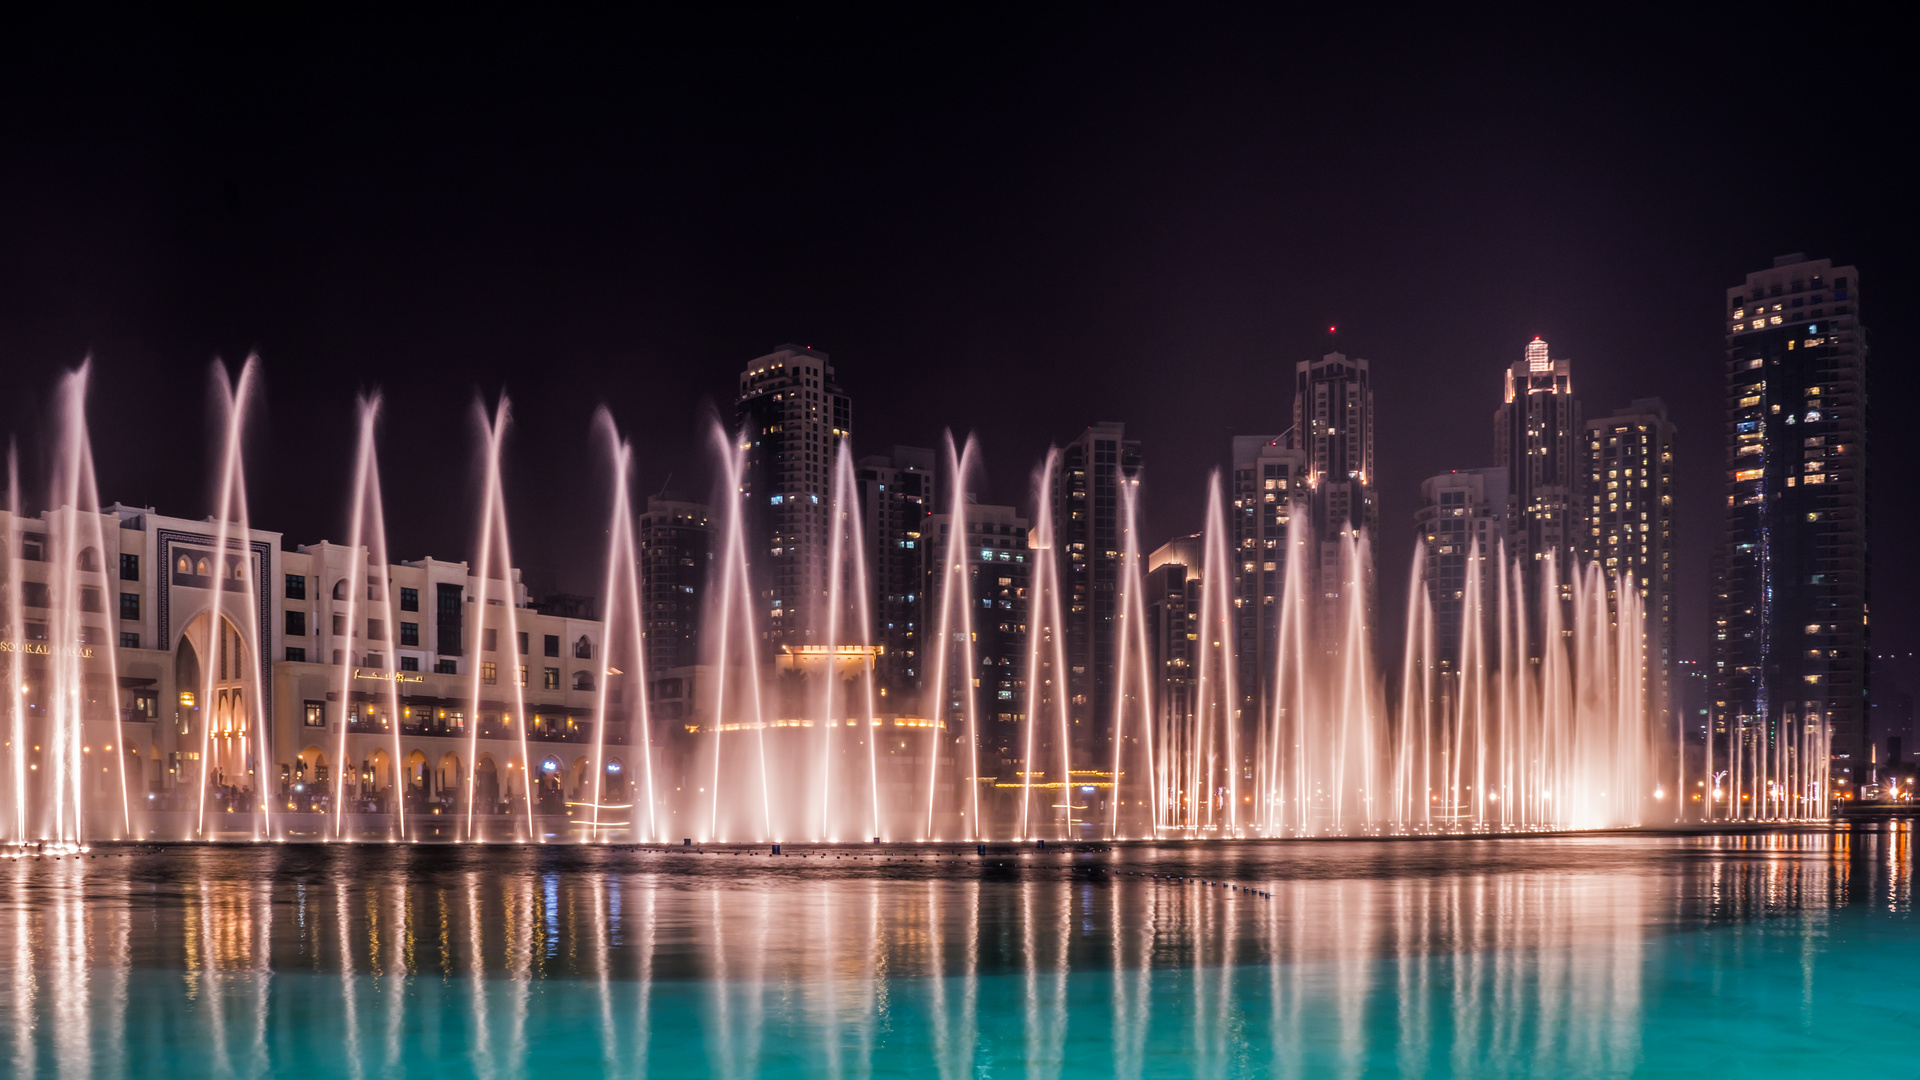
312,782
486,786
447,779
220,723
379,777
613,785
418,777
547,786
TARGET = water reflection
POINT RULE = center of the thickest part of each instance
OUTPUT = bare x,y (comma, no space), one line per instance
1548,956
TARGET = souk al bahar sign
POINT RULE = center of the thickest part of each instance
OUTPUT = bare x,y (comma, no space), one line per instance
41,648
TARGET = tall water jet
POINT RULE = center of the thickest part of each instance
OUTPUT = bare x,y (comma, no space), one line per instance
956,622
1134,668
736,584
1214,772
622,595
79,484
18,828
849,541
495,551
1046,624
232,398
367,557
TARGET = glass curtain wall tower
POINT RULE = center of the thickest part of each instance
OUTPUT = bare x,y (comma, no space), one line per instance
1790,613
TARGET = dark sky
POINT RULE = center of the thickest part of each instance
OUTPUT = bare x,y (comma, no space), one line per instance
1012,221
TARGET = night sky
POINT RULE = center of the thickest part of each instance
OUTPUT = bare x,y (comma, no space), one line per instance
1012,221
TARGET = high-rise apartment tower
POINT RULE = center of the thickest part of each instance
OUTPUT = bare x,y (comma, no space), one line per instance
1536,437
1088,541
793,416
1790,630
1630,525
896,493
1269,486
1333,427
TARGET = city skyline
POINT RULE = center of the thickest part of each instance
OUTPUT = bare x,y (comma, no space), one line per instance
1150,270
546,578
1121,539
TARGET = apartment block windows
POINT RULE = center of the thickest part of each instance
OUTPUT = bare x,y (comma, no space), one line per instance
409,599
553,644
129,641
550,678
130,605
447,610
316,714
523,643
296,624
446,667
489,640
489,672
296,587
296,654
410,633
129,567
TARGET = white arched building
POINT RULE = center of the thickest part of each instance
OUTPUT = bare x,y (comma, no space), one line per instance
247,679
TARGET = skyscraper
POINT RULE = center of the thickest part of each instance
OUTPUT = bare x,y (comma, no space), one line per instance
792,415
1088,541
1462,516
1790,631
999,569
896,493
1173,626
1268,487
676,563
1333,427
1536,437
1630,525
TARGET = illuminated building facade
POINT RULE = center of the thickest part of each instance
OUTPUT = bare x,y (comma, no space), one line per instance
676,564
896,491
204,647
1333,428
793,416
1536,438
1462,517
999,572
1088,540
1629,471
1173,598
1269,489
1790,613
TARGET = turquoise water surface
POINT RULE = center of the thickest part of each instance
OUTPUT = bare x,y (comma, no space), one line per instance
1757,955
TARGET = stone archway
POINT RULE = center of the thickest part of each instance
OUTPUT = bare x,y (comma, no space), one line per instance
487,791
447,778
216,675
615,782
